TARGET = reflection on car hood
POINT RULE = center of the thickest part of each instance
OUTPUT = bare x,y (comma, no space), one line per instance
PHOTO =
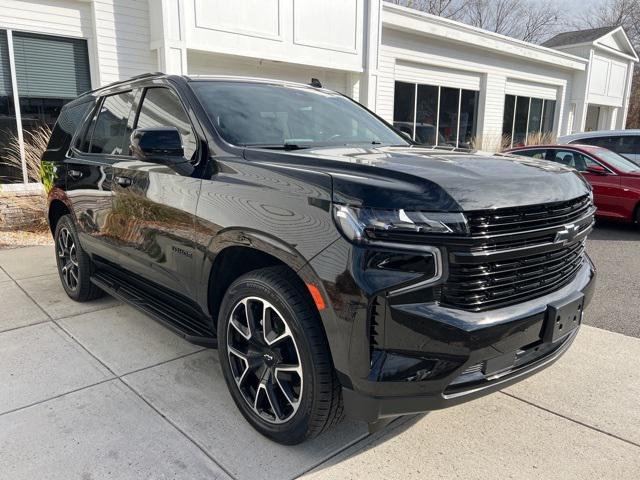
428,179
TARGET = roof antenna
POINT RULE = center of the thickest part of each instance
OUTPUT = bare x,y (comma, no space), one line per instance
315,83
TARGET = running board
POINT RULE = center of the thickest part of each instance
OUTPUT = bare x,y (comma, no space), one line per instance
192,328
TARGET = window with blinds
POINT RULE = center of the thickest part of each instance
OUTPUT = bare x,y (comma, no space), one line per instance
8,125
49,71
50,67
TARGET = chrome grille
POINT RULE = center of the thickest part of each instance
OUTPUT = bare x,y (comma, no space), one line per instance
490,285
514,220
512,255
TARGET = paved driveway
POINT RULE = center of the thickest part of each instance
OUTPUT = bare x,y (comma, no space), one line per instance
98,390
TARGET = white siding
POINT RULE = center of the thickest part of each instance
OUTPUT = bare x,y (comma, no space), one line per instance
52,17
490,121
122,39
531,89
212,64
607,80
325,34
438,76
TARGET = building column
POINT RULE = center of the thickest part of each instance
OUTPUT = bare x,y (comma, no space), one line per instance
368,84
168,35
490,118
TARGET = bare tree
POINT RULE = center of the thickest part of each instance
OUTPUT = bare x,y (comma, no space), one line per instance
625,13
453,9
523,19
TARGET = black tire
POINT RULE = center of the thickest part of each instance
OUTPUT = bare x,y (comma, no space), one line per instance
74,265
319,400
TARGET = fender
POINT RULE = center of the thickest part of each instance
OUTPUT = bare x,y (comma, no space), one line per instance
57,194
287,254
250,238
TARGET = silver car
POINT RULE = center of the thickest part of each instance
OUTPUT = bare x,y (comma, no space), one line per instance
623,142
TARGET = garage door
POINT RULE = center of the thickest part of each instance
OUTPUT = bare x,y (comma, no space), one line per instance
531,89
438,76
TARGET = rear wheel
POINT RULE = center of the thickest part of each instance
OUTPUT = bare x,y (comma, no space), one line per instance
275,357
74,265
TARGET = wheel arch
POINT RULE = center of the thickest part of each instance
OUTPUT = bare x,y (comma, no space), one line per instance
236,252
635,216
57,209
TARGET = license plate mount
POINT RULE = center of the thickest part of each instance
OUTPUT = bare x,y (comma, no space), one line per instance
563,317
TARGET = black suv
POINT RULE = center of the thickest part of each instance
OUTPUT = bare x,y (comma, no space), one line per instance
336,265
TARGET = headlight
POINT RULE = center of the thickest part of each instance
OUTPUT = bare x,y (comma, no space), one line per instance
361,225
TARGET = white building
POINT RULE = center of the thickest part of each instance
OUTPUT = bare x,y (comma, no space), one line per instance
424,73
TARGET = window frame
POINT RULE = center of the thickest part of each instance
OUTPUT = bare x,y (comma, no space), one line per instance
97,115
533,149
139,102
89,125
579,152
515,111
416,86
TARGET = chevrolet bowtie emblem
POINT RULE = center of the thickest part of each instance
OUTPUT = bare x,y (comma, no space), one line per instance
567,234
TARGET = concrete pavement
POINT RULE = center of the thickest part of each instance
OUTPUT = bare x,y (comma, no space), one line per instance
98,390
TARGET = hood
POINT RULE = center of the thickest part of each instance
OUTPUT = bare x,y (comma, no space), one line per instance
427,179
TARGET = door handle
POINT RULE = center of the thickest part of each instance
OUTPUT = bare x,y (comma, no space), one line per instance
75,174
123,181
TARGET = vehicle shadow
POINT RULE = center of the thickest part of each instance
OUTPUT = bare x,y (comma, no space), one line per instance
395,428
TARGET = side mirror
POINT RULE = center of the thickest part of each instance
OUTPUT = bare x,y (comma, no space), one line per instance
597,170
157,144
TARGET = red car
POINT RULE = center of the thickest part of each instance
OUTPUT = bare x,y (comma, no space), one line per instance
615,180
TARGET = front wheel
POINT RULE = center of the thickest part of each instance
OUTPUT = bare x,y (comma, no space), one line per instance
275,357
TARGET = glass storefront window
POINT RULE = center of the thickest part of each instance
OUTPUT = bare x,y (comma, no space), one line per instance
525,117
507,119
438,116
404,107
448,117
427,114
520,124
549,115
535,116
468,112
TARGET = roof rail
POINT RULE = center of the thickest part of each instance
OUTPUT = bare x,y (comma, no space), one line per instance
113,84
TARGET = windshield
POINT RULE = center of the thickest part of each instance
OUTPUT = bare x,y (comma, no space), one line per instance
255,114
617,161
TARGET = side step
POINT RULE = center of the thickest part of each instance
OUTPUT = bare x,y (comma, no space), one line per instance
192,328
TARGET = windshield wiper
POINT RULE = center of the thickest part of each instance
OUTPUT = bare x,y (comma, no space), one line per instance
277,146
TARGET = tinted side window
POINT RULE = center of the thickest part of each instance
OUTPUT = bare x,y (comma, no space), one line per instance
162,108
66,126
599,141
571,159
531,153
110,134
623,144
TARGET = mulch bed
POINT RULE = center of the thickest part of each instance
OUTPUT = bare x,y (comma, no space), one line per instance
25,238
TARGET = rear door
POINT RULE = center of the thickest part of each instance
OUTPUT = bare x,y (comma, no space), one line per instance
154,204
89,171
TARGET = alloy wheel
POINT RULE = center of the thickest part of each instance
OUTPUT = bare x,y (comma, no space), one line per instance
68,259
264,359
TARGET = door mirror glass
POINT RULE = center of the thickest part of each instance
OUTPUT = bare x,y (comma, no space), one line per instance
157,144
596,170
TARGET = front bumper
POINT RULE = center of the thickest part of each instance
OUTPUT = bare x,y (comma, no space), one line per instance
431,357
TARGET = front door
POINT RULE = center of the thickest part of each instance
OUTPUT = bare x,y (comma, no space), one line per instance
154,204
